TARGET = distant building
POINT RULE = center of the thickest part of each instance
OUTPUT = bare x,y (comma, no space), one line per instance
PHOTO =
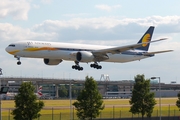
108,89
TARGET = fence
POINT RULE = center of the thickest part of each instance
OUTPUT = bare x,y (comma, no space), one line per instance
110,113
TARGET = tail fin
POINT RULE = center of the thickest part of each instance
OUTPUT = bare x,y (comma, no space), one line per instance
146,38
39,91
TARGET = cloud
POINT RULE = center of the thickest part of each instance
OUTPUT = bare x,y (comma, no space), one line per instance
76,15
46,1
108,28
102,31
18,9
36,6
111,22
107,7
9,32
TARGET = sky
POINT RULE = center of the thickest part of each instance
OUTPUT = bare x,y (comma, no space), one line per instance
102,22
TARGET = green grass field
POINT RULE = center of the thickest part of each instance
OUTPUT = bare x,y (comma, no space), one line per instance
114,108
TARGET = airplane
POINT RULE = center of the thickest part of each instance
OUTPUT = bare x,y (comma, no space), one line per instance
54,53
11,95
39,93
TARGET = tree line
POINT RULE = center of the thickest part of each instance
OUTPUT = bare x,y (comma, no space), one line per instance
63,91
89,102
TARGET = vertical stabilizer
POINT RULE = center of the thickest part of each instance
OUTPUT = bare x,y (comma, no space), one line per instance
146,38
39,91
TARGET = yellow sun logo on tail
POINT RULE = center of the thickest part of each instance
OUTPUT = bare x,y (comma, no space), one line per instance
146,39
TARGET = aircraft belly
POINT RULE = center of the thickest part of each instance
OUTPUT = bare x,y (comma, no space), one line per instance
124,58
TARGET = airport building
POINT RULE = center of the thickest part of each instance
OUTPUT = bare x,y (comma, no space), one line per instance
108,89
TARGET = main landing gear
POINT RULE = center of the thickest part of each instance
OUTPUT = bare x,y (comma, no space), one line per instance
77,67
95,65
18,58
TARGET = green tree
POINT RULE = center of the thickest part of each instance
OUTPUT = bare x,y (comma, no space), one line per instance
178,101
75,91
89,101
142,100
26,105
63,91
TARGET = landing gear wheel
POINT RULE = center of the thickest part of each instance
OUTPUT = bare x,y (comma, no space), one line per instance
77,67
95,65
92,65
99,67
73,67
18,58
19,63
80,68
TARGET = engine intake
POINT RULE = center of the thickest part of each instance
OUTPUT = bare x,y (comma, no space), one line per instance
84,56
52,61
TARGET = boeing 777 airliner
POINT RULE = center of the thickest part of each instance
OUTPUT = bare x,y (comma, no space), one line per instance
54,53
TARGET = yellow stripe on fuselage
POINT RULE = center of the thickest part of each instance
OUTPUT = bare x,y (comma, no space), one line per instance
39,49
13,52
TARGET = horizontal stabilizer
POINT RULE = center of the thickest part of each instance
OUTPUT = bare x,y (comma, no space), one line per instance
159,40
157,52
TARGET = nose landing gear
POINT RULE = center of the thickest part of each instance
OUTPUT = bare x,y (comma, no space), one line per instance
18,58
19,63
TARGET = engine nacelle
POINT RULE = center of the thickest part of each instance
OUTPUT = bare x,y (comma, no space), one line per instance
52,61
84,56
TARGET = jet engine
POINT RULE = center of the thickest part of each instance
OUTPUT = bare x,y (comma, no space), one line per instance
84,56
52,61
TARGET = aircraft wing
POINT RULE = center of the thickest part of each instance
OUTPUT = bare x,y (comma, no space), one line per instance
101,55
152,53
117,50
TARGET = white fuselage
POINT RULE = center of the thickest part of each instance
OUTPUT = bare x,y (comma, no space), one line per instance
67,51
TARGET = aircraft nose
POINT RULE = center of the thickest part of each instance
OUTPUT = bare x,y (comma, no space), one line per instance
7,49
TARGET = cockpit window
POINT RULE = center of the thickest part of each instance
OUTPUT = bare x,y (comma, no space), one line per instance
11,45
